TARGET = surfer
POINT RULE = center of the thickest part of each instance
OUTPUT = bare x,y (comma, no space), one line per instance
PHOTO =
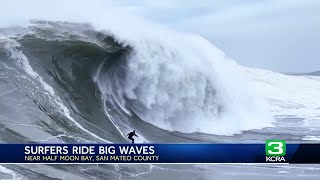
131,134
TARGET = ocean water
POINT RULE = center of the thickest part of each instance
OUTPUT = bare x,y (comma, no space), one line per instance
79,83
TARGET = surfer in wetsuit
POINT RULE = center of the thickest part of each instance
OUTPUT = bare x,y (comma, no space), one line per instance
131,134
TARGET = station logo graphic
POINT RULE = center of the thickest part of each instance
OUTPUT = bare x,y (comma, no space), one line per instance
275,151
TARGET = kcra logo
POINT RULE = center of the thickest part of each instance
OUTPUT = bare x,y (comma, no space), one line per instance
275,159
275,150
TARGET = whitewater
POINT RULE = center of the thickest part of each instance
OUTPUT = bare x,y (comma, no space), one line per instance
93,79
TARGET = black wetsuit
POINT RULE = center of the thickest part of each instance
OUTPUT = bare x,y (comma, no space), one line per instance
130,136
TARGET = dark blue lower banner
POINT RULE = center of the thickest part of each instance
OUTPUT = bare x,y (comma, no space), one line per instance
273,151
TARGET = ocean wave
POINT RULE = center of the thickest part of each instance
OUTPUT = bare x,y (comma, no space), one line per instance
179,83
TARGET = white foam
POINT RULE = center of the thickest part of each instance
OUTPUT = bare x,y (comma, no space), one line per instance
181,82
283,172
291,96
311,138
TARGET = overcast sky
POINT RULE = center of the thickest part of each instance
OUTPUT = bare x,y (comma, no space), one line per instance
280,35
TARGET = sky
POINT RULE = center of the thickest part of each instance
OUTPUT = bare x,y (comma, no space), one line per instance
279,35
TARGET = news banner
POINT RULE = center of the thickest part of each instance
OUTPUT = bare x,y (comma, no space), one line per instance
272,151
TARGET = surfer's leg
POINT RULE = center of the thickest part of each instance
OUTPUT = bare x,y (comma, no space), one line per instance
132,140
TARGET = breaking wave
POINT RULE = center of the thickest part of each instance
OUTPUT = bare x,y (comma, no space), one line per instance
178,83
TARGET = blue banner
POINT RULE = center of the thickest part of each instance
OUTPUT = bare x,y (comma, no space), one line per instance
271,152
